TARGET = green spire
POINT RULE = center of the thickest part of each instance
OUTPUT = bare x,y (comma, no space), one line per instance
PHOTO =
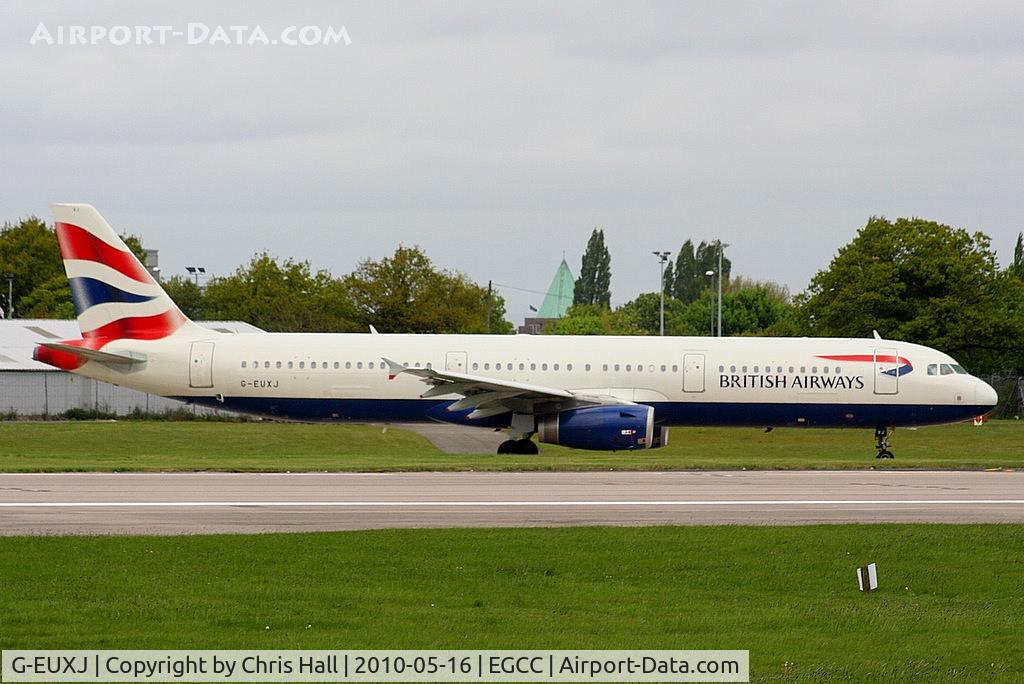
560,294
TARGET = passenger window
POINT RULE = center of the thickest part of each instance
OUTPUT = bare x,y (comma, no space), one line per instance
476,366
348,364
533,366
302,364
587,367
543,366
568,366
359,364
278,364
616,368
744,369
838,371
665,368
291,364
312,364
814,370
824,369
675,368
778,369
487,366
732,369
243,364
429,366
755,369
790,369
629,367
604,367
933,369
336,365
371,365
266,364
803,369
555,367
508,366
721,369
522,366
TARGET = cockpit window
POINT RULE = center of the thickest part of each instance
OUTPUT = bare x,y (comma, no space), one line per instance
933,369
959,369
946,369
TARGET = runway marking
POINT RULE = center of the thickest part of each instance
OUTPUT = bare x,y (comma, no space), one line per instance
506,504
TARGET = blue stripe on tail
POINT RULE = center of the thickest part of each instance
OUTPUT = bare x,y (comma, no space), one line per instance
88,292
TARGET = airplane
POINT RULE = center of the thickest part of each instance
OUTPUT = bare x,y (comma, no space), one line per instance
597,393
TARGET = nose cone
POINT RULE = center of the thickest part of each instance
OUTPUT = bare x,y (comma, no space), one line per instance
984,395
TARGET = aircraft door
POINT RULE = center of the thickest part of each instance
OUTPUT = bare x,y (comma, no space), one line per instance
693,372
887,371
200,365
455,361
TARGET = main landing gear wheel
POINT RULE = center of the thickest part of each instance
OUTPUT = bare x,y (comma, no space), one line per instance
518,446
882,435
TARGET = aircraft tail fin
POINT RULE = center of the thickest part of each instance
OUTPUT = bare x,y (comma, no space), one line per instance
115,297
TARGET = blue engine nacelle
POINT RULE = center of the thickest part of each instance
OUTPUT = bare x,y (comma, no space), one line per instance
603,428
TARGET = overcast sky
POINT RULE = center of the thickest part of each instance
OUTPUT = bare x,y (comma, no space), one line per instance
498,135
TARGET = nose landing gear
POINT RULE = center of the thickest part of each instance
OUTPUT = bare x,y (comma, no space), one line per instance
882,435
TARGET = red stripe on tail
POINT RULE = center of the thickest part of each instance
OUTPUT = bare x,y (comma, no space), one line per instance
78,243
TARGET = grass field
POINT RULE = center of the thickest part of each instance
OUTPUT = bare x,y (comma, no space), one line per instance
949,607
155,445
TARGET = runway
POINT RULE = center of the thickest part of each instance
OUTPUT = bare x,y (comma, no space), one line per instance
199,503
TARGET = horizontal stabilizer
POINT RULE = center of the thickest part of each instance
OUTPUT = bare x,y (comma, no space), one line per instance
96,355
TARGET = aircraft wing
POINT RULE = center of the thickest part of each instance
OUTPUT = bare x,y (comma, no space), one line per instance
492,396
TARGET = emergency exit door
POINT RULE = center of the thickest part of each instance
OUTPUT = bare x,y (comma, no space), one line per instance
200,365
693,372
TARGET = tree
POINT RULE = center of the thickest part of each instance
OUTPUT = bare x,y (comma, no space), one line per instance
691,267
280,297
753,310
920,281
29,250
594,319
594,284
404,293
668,282
686,287
645,312
187,294
1017,267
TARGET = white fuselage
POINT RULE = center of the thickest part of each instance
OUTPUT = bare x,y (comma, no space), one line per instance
689,380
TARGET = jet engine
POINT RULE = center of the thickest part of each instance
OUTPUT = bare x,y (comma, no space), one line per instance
603,428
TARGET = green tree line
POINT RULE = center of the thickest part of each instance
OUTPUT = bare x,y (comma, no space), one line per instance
402,293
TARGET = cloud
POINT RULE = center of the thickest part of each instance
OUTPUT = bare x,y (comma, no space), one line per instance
498,135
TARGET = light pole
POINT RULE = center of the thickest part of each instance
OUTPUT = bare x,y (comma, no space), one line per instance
662,259
711,291
195,272
10,294
721,247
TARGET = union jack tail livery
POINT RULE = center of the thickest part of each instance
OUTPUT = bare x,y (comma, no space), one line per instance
115,297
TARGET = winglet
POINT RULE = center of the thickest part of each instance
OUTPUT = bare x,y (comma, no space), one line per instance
875,333
394,368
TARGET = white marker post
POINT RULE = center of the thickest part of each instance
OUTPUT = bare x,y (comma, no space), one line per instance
867,577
